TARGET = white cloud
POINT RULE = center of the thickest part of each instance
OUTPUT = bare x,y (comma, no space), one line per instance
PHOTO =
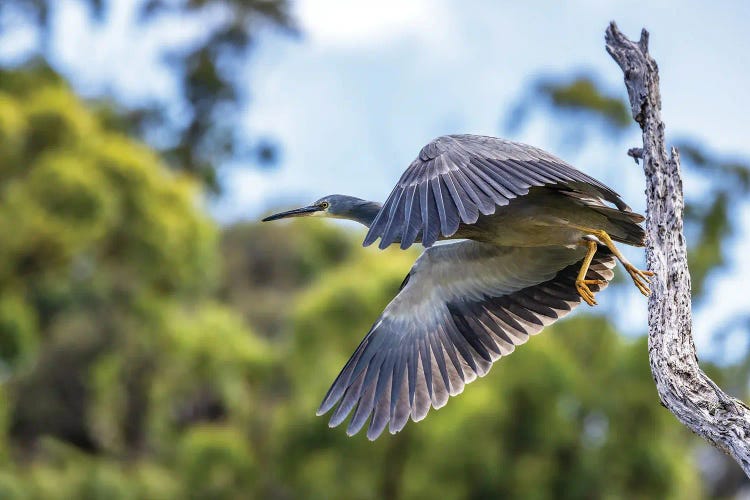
358,23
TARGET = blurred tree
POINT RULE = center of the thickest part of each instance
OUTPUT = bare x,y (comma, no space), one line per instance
136,365
110,343
570,415
579,98
208,67
711,221
126,378
266,266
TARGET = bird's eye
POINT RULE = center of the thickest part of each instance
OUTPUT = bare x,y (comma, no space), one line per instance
324,205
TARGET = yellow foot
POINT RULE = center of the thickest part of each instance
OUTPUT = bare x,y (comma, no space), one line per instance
640,278
585,292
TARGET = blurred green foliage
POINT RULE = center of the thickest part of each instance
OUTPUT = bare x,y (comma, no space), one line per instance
208,68
710,217
124,377
717,191
571,415
583,95
146,355
578,98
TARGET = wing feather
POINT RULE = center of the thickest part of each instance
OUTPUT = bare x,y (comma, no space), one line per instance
467,209
463,306
442,368
399,371
455,372
380,415
457,177
363,411
413,216
394,227
422,396
351,396
425,358
495,198
440,204
412,362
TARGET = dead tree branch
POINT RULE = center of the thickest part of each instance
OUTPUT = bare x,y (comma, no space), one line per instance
683,388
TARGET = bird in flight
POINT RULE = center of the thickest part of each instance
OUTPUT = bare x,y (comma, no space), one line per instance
536,238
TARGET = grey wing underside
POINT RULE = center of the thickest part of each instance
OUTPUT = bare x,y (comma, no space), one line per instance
462,307
458,177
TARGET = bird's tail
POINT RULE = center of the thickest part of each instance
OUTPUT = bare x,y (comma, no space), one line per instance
624,225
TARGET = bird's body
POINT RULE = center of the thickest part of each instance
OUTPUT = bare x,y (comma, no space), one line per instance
538,238
545,217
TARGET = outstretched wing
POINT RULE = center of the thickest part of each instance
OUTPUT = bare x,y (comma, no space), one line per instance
463,306
457,177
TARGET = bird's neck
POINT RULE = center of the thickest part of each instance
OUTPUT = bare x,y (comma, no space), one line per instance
365,212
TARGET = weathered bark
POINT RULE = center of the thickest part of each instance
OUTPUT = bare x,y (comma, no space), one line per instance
683,387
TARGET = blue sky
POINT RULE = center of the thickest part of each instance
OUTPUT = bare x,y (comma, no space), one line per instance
355,97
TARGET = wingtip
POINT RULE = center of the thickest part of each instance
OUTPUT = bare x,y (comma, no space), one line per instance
419,415
337,418
325,406
396,429
374,432
370,239
439,403
351,432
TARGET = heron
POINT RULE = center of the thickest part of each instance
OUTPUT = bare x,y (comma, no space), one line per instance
536,237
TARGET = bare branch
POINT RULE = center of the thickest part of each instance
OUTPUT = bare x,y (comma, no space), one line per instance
683,387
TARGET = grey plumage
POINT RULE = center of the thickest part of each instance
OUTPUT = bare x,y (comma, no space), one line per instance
528,220
472,314
456,178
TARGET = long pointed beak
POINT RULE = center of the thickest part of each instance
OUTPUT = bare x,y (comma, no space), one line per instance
297,212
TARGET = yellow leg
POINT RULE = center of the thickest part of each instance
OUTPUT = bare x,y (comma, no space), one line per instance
582,284
640,278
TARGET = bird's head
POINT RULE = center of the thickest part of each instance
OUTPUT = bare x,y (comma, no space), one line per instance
334,205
